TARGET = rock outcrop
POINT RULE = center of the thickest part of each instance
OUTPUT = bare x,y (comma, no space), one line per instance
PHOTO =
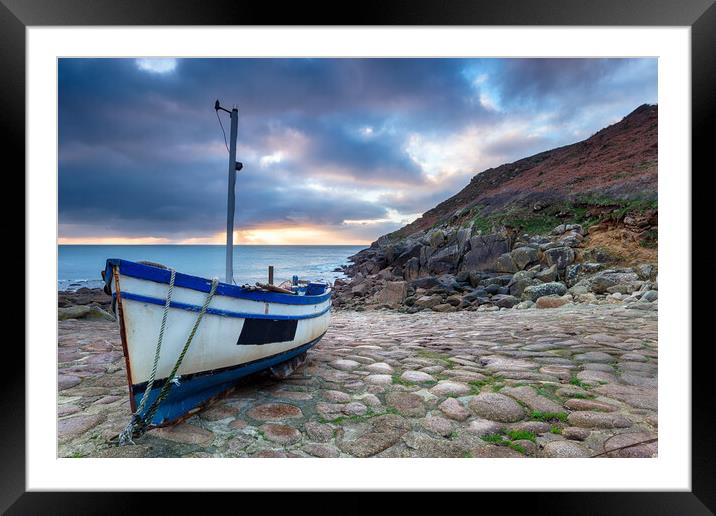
495,271
85,303
507,240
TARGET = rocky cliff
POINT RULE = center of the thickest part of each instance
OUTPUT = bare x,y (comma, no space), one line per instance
573,224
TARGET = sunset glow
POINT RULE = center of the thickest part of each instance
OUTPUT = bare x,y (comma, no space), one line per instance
259,236
292,236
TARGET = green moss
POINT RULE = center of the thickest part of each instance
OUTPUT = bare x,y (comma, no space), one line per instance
475,387
535,224
555,430
494,383
480,222
397,380
580,395
494,439
579,383
549,416
392,410
501,439
519,435
548,391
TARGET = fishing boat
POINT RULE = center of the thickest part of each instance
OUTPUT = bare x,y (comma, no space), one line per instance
188,339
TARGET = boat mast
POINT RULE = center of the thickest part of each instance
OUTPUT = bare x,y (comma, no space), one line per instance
231,200
234,166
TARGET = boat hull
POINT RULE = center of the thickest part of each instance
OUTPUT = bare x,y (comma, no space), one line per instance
242,332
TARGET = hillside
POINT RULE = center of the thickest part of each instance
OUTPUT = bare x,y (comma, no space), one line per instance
614,166
578,224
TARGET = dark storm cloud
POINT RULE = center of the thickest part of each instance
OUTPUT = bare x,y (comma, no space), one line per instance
570,85
168,201
539,78
323,140
368,157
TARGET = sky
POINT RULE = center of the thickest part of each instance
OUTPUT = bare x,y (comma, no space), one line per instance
335,151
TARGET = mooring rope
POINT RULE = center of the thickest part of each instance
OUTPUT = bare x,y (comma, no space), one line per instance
138,423
150,384
172,376
126,435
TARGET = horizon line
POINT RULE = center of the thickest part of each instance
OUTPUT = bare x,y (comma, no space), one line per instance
216,245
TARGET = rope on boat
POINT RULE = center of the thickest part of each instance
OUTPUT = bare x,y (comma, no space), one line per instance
126,436
159,342
138,424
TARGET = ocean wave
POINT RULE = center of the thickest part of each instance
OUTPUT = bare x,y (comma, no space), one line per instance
74,285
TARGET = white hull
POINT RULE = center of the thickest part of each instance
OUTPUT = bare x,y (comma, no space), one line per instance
241,332
215,344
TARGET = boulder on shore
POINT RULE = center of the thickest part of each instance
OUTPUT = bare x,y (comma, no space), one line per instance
504,300
504,263
547,275
84,296
393,294
83,312
428,301
535,292
552,301
524,256
559,256
520,281
484,250
611,277
445,260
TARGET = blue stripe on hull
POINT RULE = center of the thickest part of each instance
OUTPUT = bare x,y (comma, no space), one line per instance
194,390
218,311
157,275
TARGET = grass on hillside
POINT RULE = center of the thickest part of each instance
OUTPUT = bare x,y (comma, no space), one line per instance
579,211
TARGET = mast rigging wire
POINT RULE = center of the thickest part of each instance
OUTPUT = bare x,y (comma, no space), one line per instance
222,129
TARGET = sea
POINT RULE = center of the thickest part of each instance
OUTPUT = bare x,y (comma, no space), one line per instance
80,265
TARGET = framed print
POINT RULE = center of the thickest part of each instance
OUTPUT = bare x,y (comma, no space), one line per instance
417,250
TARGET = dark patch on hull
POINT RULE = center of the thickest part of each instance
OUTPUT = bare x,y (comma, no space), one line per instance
267,331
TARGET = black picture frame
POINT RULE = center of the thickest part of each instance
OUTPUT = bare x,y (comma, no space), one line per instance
700,15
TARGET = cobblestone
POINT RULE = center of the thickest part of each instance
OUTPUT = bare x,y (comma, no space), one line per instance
582,379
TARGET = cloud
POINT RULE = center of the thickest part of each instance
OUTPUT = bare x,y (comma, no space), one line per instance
157,65
346,148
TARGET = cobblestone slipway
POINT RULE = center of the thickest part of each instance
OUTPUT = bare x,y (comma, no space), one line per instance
576,381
